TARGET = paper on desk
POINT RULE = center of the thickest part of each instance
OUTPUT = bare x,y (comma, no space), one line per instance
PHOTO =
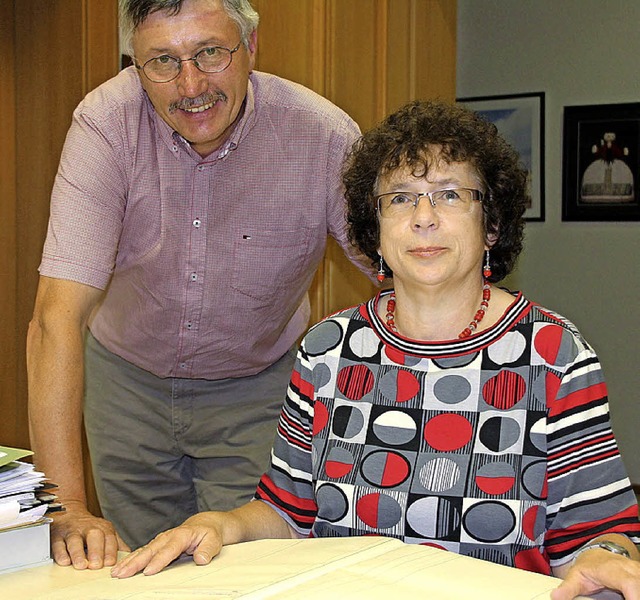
9,511
18,470
17,477
371,568
392,568
10,515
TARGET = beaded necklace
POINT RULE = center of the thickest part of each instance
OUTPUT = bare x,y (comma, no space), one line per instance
466,332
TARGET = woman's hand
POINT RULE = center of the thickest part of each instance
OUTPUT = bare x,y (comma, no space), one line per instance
595,570
199,536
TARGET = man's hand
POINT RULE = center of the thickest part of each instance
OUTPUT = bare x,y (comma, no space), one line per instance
83,540
199,536
596,570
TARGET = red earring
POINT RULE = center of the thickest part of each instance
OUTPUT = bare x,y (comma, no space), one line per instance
486,270
381,276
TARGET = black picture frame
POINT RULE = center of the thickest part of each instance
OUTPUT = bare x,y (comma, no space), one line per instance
520,119
601,162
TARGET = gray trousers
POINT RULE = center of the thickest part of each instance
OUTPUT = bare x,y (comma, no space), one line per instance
164,449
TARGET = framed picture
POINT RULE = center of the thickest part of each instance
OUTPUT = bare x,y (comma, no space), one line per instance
520,119
601,149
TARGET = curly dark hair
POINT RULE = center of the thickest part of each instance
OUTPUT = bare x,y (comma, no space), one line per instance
417,136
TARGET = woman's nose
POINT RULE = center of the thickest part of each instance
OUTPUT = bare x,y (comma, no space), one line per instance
425,214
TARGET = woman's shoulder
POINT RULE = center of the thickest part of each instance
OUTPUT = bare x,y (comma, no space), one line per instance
542,317
332,327
341,316
515,306
545,314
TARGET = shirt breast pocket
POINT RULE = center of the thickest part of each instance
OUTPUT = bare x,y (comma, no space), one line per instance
270,261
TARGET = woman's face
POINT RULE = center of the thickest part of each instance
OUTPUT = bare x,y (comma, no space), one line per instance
434,245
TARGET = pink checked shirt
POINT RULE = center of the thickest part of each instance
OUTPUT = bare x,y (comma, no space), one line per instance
205,262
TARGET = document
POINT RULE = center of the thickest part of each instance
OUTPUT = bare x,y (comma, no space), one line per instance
364,567
18,483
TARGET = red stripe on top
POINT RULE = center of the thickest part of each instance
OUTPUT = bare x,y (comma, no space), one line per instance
301,510
573,537
576,448
578,398
582,463
293,424
305,387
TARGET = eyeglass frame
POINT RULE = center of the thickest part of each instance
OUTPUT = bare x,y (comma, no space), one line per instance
181,60
479,196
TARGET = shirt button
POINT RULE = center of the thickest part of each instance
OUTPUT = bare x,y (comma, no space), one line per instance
200,168
183,365
194,277
189,325
197,222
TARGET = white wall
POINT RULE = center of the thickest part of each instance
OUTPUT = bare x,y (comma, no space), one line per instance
577,52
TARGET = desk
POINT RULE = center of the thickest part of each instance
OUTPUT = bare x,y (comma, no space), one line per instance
312,569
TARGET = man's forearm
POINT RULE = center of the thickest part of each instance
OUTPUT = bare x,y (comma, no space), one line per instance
55,376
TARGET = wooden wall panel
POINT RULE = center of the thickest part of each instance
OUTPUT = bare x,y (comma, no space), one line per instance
293,47
435,71
9,409
48,86
100,35
356,81
355,64
57,56
403,44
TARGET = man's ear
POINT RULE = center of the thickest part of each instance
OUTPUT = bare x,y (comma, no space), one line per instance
252,49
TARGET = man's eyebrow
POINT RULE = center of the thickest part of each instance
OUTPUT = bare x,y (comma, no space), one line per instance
158,51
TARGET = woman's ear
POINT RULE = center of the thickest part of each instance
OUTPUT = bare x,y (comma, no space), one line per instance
489,240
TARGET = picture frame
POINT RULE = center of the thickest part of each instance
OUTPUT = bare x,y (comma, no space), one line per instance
601,162
520,119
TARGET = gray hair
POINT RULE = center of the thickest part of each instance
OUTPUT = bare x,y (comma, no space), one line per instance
134,12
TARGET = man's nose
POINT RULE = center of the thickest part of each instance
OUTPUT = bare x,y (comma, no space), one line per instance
191,81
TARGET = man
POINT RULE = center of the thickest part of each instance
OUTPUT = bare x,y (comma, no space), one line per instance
189,213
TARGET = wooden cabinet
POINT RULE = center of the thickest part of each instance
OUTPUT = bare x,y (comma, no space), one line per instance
367,56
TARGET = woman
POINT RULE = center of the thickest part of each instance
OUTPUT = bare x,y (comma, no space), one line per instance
446,410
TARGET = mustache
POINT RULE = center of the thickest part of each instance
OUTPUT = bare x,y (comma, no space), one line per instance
201,100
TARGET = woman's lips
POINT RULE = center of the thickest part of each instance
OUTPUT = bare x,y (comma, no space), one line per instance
427,251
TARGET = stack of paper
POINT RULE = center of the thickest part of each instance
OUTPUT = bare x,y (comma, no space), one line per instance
25,500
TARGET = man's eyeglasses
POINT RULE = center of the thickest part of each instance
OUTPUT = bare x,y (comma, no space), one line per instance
454,200
165,68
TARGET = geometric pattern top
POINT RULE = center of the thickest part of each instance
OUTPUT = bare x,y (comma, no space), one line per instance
497,446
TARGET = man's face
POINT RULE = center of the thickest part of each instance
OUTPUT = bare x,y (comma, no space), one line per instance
201,107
